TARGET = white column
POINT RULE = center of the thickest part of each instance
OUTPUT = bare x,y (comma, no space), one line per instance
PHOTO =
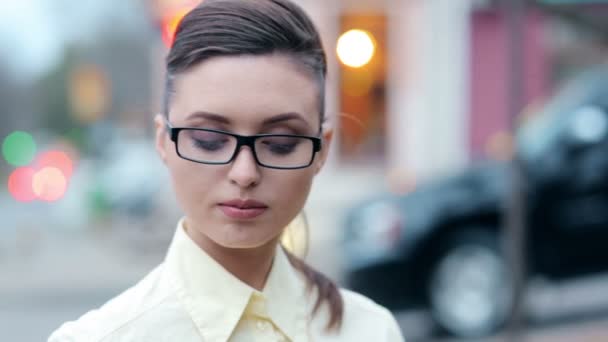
448,87
428,86
404,93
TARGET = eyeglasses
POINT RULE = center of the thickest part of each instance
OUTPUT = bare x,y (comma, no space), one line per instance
215,147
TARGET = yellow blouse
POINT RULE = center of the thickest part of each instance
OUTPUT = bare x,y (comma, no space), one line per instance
191,297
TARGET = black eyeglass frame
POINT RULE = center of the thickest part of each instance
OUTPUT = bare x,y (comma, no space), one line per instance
244,140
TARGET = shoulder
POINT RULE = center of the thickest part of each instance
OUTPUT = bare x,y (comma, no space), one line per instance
363,314
124,310
361,305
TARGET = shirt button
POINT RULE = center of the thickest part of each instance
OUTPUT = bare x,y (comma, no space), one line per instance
262,326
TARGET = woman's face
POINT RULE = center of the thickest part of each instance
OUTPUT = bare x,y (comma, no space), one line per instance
244,95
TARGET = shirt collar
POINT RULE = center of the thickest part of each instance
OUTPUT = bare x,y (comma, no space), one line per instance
216,299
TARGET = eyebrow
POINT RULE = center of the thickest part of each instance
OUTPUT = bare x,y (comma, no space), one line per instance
267,122
209,116
284,117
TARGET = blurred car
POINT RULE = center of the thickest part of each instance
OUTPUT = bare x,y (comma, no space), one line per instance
439,246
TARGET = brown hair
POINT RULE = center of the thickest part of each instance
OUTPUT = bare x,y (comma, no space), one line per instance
257,27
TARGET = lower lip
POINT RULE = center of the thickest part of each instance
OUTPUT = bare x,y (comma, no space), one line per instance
242,214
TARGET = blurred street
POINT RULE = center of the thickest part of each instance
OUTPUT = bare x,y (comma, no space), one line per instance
61,280
573,312
49,278
58,277
38,297
456,123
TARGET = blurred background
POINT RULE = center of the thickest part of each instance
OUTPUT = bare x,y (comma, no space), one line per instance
467,189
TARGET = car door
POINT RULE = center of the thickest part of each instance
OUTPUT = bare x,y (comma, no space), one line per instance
572,210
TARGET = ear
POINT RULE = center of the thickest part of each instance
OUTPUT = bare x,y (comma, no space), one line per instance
328,134
161,137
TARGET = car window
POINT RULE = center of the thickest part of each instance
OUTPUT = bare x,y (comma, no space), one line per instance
543,129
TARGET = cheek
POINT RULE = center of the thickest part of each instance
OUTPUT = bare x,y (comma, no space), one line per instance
293,189
191,181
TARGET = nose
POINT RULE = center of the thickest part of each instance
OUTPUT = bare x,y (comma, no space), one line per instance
244,170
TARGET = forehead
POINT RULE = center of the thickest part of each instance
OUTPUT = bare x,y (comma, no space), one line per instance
246,89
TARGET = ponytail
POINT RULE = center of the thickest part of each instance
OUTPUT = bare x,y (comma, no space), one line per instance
327,290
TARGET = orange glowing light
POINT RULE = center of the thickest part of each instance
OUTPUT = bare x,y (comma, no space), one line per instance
49,184
89,91
356,48
20,184
56,159
170,22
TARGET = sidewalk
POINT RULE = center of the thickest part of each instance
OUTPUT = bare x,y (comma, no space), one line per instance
63,266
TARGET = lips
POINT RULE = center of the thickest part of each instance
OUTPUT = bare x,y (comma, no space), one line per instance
243,209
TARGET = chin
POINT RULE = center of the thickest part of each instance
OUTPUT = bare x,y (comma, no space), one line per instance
242,244
238,238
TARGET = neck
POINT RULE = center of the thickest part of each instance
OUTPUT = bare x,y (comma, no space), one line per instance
250,265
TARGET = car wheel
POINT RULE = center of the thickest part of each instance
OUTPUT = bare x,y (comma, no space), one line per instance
469,287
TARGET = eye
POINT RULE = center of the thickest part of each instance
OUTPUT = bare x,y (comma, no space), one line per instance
281,145
208,141
210,145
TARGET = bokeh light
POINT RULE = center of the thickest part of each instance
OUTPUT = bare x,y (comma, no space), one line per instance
20,184
49,184
357,82
500,146
56,159
356,48
89,93
170,22
19,148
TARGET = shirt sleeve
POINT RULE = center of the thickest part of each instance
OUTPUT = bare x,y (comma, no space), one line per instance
365,320
73,331
60,335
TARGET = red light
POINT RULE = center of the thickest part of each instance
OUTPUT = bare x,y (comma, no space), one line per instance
20,184
49,184
170,23
56,159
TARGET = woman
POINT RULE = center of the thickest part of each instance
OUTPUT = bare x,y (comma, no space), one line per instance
242,135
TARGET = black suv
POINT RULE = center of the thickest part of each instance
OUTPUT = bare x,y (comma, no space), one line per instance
439,246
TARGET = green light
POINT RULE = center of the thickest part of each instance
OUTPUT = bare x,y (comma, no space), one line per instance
19,148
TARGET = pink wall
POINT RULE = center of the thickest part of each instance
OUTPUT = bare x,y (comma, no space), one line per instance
490,70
